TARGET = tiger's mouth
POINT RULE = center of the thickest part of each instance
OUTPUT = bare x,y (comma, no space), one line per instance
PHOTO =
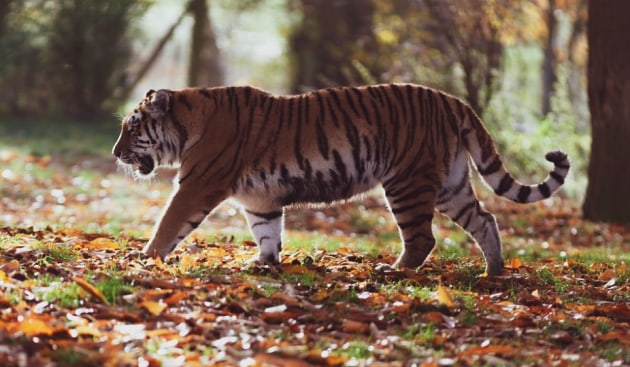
144,165
141,165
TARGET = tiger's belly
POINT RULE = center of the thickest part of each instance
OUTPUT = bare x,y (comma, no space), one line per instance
285,189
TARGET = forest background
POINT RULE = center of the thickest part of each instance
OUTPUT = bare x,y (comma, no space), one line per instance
74,290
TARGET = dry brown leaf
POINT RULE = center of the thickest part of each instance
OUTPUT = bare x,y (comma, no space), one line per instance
515,263
101,243
154,308
620,336
503,350
175,298
33,327
11,266
319,295
4,278
355,327
297,269
444,296
90,289
85,330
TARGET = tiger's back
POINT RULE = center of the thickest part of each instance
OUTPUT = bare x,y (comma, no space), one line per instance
271,151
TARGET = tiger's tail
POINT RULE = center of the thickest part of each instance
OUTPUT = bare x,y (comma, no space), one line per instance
481,147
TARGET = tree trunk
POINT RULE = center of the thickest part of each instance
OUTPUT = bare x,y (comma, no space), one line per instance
608,192
550,60
329,39
4,11
205,66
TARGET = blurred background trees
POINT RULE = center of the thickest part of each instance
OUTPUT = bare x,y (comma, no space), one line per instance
65,57
520,64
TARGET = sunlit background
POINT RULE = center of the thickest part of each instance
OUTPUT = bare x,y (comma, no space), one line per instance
70,69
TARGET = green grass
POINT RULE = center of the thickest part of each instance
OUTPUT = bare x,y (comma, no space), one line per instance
69,356
57,290
113,287
547,276
602,255
58,252
306,279
63,138
422,334
356,349
267,289
313,243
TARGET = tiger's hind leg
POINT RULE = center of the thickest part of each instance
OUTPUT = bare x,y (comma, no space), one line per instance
266,226
460,204
412,203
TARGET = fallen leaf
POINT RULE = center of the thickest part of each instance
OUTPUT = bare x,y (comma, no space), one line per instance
444,296
503,350
90,289
85,330
154,308
619,336
10,267
515,263
536,294
175,298
101,243
34,327
3,277
298,269
319,295
355,327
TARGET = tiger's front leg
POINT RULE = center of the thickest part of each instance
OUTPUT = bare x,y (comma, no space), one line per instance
185,210
266,226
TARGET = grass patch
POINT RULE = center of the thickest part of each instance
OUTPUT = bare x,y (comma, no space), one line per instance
559,284
69,356
56,290
66,139
422,334
113,288
356,349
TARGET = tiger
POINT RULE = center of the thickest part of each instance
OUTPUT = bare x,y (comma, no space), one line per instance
268,152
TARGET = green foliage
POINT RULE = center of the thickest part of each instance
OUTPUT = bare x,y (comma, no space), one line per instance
356,349
66,57
523,136
69,356
69,139
56,290
423,334
113,287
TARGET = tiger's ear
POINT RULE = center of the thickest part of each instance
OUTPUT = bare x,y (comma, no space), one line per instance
160,103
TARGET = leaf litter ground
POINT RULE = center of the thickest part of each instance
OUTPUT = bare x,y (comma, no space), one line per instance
75,291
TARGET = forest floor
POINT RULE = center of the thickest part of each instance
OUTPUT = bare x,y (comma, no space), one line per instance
74,289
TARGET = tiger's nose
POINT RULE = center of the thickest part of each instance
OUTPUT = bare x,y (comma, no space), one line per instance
120,143
117,151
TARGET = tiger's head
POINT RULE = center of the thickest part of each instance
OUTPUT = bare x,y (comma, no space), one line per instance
150,136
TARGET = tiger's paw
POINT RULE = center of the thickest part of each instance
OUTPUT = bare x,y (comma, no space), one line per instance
150,251
494,267
408,261
257,265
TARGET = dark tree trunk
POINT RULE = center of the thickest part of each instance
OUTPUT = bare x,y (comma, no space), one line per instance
329,39
4,10
608,192
205,62
550,61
